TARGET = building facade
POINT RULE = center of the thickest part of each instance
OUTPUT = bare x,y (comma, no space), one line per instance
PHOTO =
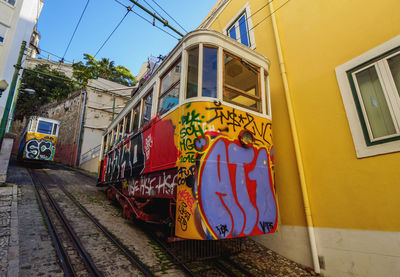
83,117
17,22
335,93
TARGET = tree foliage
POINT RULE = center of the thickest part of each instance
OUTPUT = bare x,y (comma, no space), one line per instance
104,68
46,87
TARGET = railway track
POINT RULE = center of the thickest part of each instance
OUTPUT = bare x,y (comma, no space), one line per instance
77,252
81,262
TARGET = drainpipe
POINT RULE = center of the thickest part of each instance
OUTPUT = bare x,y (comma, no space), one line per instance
295,137
82,122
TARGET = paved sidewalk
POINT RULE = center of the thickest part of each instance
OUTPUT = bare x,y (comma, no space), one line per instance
9,244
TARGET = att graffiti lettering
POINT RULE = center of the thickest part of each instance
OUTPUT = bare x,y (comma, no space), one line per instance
235,189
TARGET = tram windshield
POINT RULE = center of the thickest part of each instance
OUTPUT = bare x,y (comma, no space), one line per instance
45,127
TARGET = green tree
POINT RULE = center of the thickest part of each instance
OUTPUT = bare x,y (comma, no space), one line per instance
104,68
49,85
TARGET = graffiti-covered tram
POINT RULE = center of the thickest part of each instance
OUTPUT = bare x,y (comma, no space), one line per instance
193,147
39,139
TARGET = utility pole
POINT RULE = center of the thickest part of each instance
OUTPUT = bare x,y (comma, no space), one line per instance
11,92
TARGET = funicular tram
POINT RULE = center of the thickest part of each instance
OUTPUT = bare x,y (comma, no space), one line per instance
193,147
39,139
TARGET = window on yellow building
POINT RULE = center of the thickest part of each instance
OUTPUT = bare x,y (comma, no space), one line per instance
239,30
240,27
370,87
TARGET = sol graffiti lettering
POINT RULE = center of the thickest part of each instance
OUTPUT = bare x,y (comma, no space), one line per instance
235,191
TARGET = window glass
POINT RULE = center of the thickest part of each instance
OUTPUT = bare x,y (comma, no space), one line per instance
170,86
128,123
241,83
210,61
266,93
44,127
244,38
193,70
109,141
135,123
11,2
232,32
171,78
169,100
120,133
147,101
240,30
394,64
55,129
374,102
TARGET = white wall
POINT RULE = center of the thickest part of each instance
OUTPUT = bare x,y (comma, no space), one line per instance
22,18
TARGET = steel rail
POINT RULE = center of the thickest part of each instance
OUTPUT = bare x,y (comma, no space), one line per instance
237,267
172,255
123,249
60,250
90,265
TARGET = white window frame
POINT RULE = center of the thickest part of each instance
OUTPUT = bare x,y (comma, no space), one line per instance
364,143
235,21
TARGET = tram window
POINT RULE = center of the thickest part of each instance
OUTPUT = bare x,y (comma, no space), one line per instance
135,125
120,133
169,100
146,115
210,61
114,135
192,72
170,85
44,127
109,140
266,93
55,129
128,123
241,83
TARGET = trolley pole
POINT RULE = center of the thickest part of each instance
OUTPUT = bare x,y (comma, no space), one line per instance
163,21
11,92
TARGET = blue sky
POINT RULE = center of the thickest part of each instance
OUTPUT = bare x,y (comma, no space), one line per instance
132,42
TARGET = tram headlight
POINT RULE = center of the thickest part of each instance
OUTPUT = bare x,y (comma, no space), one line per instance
246,138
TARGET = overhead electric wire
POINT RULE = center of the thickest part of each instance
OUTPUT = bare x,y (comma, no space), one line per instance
41,49
154,9
154,25
76,27
72,81
169,15
146,20
269,15
116,27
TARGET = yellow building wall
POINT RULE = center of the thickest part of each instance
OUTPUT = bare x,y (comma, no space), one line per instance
317,36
